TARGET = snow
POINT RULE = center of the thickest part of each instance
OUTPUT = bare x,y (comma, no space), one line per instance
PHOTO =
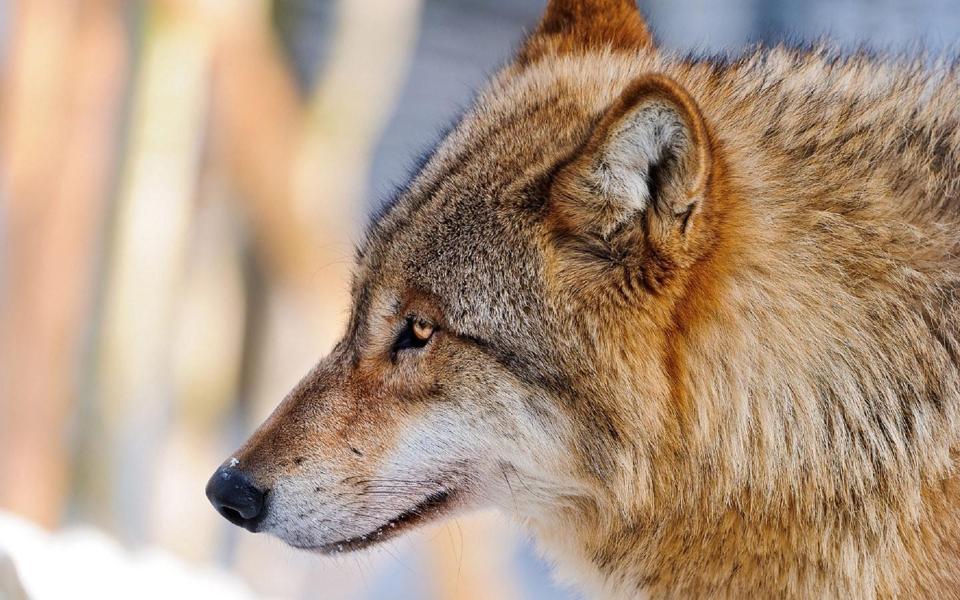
82,562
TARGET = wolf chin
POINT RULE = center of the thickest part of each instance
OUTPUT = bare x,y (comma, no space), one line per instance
691,321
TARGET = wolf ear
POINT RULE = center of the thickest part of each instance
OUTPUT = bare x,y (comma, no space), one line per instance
650,154
572,25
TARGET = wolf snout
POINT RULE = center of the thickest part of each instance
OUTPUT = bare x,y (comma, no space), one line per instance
234,495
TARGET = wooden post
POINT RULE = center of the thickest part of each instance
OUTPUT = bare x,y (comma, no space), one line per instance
63,86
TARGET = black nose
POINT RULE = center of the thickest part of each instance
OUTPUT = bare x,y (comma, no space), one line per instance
233,494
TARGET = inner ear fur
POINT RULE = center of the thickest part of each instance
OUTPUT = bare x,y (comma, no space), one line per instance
650,154
580,25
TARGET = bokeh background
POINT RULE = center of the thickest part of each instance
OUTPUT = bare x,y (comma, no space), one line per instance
181,186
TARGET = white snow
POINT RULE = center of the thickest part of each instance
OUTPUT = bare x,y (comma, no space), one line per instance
85,563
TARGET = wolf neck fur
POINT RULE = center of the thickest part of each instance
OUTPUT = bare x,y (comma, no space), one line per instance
818,483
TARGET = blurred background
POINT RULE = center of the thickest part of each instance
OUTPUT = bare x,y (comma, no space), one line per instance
181,186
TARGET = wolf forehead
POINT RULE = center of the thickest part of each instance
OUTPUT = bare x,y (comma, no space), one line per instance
480,193
466,224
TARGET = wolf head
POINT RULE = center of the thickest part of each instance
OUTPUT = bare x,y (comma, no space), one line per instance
692,321
509,340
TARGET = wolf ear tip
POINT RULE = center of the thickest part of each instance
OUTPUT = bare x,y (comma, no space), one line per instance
583,24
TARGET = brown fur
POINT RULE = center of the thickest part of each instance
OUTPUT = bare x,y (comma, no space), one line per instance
732,373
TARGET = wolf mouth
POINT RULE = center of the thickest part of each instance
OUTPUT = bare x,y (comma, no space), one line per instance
432,506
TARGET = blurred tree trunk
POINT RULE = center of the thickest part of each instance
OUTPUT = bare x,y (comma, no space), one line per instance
149,238
62,89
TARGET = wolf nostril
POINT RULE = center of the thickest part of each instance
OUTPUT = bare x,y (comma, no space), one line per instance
234,495
231,515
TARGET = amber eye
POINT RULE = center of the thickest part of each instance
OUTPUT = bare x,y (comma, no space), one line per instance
422,330
416,334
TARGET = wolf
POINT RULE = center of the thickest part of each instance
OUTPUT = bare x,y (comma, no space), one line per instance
691,321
